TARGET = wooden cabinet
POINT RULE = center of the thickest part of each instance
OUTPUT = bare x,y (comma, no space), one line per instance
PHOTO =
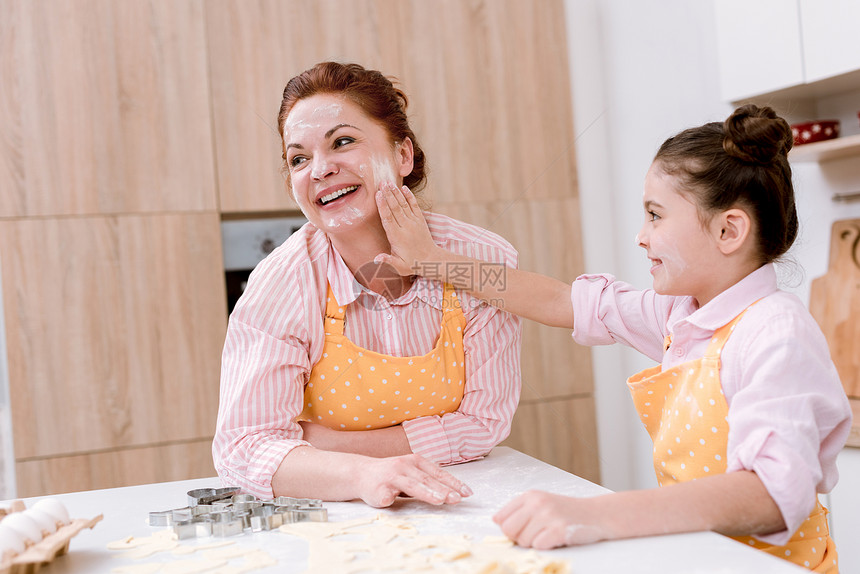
105,108
113,286
129,129
114,331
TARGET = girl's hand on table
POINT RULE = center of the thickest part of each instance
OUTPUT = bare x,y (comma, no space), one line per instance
543,520
382,480
410,239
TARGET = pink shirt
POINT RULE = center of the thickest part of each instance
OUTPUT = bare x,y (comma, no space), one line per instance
275,336
788,413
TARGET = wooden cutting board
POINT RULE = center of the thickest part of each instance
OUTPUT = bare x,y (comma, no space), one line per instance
834,301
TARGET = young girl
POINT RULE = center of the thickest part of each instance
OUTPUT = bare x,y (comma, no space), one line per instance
746,409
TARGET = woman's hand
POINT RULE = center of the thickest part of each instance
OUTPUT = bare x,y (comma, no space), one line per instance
408,234
382,480
543,520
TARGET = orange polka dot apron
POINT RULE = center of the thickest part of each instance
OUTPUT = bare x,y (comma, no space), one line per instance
352,388
685,412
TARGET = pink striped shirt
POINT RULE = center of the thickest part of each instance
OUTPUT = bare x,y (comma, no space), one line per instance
275,336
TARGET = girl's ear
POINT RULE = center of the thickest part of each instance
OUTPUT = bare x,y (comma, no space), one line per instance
404,157
732,228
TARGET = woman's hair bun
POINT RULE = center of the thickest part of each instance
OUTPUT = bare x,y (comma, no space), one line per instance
756,134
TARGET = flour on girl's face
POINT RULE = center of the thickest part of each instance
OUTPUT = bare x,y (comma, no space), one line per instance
674,263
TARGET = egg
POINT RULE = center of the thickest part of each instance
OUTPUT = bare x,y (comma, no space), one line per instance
10,540
45,521
53,508
23,525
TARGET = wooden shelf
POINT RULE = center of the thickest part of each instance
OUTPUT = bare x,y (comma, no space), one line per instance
827,150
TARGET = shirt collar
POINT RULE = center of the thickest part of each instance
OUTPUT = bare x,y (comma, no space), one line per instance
734,300
346,289
340,278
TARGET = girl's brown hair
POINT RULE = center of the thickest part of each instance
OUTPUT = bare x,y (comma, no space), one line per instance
743,162
373,92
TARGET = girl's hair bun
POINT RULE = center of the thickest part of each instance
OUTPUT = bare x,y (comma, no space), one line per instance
756,134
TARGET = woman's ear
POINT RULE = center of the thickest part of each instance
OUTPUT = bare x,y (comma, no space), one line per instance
404,154
732,228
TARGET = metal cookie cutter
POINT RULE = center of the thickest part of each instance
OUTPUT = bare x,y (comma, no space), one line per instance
227,512
197,527
210,495
226,523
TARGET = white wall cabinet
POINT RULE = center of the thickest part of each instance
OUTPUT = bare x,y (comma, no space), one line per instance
785,47
758,46
831,39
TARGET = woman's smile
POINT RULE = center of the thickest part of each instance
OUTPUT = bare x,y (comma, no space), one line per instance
330,196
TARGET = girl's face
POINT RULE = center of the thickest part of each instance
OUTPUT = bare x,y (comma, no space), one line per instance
337,158
683,252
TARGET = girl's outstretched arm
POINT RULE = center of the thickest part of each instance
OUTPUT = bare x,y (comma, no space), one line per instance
413,252
734,504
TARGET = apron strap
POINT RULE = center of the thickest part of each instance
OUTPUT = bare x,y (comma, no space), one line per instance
335,314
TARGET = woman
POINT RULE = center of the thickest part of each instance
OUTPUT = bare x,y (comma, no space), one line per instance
337,381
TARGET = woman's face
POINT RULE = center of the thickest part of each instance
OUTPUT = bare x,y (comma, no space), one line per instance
337,158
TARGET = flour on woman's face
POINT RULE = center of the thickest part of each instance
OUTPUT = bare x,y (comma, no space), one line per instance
337,156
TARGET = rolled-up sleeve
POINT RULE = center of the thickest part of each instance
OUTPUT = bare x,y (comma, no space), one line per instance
492,341
493,383
606,311
264,366
790,416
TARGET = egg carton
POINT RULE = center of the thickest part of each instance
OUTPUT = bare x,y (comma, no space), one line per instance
44,551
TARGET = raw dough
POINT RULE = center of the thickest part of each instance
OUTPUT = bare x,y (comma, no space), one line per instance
214,559
393,544
181,550
161,541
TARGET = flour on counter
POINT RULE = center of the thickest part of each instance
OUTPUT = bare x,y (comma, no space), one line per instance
393,544
215,557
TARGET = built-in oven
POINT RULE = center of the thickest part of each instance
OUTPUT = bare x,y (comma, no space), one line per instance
246,242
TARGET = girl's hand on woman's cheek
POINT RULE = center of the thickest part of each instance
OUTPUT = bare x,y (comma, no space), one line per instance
543,520
410,239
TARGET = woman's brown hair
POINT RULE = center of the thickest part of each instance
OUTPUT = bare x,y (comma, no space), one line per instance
743,162
373,92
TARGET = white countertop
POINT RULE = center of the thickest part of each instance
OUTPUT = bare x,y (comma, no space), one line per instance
494,480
